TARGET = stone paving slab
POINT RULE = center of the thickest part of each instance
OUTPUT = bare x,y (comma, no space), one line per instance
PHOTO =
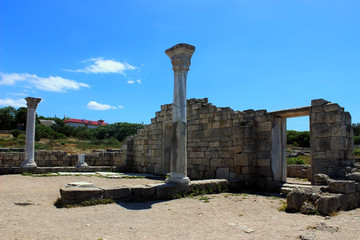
77,194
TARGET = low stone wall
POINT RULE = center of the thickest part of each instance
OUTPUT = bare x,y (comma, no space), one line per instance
299,171
45,158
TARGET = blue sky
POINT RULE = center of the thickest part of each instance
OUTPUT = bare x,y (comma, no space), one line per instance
105,59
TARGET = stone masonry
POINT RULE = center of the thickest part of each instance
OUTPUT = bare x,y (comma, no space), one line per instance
331,140
223,143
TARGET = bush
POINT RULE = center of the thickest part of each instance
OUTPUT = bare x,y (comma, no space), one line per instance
298,139
42,131
295,161
16,133
357,151
357,140
118,130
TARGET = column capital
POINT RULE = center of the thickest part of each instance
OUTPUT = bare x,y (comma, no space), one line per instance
32,102
180,56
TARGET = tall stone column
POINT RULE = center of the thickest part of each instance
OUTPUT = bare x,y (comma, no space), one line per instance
29,161
180,56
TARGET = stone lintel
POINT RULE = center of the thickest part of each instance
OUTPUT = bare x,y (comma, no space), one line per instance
293,112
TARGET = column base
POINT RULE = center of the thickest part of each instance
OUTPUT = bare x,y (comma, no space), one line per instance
82,165
28,165
177,180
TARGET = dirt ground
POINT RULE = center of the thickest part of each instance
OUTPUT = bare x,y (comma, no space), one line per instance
217,216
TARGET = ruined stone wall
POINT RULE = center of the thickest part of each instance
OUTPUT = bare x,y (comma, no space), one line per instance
45,158
331,139
221,143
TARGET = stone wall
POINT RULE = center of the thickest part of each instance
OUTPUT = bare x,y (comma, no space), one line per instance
299,171
331,136
61,159
221,143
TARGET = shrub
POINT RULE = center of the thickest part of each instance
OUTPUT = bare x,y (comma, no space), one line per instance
295,161
357,151
298,139
357,140
16,133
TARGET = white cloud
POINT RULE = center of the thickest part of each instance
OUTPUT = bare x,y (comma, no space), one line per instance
57,84
102,65
52,84
98,106
121,107
12,78
16,103
132,81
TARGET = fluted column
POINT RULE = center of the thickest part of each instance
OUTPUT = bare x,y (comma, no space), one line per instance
180,56
29,161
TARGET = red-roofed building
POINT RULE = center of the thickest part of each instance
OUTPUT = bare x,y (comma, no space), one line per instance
82,122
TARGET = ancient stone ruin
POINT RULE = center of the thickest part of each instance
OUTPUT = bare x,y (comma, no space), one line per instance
197,140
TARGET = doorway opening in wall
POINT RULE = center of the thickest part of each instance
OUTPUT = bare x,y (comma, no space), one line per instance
298,154
291,147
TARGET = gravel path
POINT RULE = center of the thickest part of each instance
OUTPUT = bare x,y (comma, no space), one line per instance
218,216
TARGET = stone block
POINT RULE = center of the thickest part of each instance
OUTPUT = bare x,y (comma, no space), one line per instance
342,186
318,102
210,184
331,107
116,192
222,172
320,130
337,143
142,192
329,203
334,117
165,190
263,162
349,201
264,126
76,195
248,170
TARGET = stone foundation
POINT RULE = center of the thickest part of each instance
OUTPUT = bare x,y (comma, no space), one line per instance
60,159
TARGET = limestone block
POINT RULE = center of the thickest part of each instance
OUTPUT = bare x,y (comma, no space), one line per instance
320,130
349,201
331,107
337,143
342,186
248,170
264,126
264,162
334,117
316,109
142,192
76,195
331,163
222,172
297,197
116,192
166,190
210,174
318,102
214,184
329,203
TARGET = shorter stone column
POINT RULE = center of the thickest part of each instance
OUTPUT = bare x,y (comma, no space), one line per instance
81,161
29,161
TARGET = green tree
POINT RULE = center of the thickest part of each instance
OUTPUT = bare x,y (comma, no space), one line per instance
299,139
356,128
20,116
7,118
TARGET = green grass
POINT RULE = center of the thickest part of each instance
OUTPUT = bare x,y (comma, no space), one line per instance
357,151
301,160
